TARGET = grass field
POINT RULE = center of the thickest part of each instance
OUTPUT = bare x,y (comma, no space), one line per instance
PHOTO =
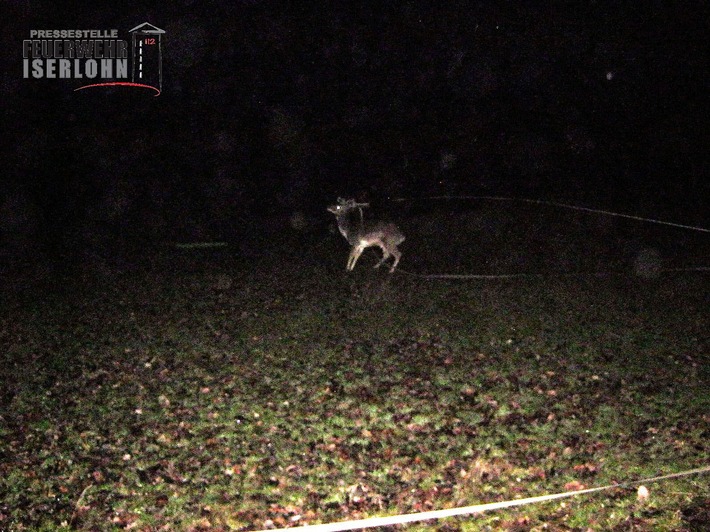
206,391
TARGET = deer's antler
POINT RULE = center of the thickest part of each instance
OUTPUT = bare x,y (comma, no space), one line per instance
351,203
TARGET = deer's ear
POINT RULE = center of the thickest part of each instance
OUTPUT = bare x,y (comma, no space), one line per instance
340,200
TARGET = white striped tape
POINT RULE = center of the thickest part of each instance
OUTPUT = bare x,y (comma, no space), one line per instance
478,508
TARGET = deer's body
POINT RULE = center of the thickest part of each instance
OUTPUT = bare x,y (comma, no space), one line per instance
360,236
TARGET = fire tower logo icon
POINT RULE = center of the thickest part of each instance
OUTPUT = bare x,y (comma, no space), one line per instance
147,55
96,55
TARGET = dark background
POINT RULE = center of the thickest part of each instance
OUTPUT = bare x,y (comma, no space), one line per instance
275,108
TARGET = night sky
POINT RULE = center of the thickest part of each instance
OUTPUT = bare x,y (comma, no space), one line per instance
269,108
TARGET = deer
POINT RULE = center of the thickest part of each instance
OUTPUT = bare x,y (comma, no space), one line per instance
360,236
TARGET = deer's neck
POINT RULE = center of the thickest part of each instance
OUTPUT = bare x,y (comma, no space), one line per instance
348,227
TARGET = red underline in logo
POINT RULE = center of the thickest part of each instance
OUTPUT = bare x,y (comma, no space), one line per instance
120,83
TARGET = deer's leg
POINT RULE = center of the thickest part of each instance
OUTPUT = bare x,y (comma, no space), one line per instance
354,255
397,255
385,255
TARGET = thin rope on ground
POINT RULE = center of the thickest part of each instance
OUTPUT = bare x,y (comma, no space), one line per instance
478,508
563,205
530,275
454,276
